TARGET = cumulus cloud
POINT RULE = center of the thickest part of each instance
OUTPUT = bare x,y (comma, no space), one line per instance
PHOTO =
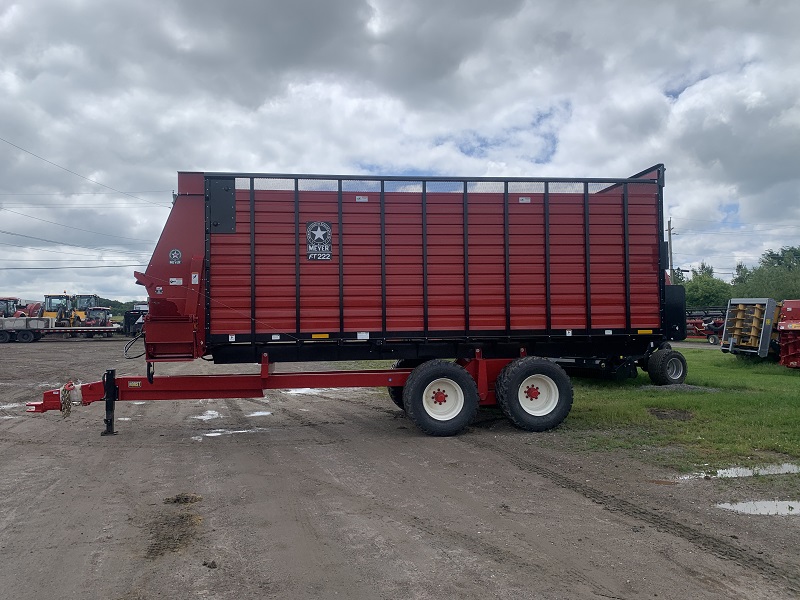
128,94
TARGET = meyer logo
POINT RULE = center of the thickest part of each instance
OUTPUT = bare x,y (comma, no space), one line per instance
318,240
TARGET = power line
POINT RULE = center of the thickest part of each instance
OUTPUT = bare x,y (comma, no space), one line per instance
70,268
31,237
36,249
50,162
119,237
82,193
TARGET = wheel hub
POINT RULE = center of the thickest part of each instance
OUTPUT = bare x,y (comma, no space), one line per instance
532,392
439,397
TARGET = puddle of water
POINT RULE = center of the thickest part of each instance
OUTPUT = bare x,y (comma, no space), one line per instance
784,469
259,413
207,416
764,507
139,402
305,391
124,419
221,432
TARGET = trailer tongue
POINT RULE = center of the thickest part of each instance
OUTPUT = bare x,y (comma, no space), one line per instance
514,279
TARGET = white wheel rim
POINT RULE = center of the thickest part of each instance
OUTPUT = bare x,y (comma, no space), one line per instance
538,395
443,399
674,368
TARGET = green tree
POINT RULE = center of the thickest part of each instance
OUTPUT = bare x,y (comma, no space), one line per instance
776,276
741,275
678,278
706,290
787,256
703,270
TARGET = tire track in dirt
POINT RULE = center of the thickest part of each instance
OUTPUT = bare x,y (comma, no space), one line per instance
716,546
439,535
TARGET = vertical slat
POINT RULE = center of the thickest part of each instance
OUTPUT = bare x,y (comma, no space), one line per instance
425,256
507,257
627,256
253,263
662,267
208,260
383,255
587,253
548,307
466,259
297,252
341,261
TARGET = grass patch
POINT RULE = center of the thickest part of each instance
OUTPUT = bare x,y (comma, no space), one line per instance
731,411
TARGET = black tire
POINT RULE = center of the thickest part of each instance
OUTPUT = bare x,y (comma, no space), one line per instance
25,336
4,337
535,394
427,392
667,367
713,339
396,392
90,335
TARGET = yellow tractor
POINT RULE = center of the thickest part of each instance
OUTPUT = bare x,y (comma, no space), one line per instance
60,308
82,303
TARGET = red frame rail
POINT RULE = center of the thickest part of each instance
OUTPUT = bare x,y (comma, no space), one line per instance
198,387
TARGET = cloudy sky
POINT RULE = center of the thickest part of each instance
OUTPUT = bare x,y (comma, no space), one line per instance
101,103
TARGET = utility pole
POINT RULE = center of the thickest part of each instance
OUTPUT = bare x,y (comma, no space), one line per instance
669,244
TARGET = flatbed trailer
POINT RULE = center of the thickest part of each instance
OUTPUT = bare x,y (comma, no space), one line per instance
482,290
32,329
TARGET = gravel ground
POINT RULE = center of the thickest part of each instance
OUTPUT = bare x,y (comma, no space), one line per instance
334,493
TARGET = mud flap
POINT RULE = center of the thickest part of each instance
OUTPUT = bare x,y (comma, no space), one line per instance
675,312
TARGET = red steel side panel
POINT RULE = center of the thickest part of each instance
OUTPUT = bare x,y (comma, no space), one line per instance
229,275
644,251
361,247
445,214
404,295
607,259
358,245
275,262
319,279
567,262
527,261
487,309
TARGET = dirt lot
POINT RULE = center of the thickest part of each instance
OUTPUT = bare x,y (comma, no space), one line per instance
333,493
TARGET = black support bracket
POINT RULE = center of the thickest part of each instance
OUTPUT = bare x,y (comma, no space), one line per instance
111,394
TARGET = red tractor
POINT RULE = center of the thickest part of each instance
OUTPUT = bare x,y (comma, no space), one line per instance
14,307
98,316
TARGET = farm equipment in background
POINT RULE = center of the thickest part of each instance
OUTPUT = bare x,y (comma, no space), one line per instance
706,322
81,304
789,333
98,316
764,328
59,307
14,307
133,320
